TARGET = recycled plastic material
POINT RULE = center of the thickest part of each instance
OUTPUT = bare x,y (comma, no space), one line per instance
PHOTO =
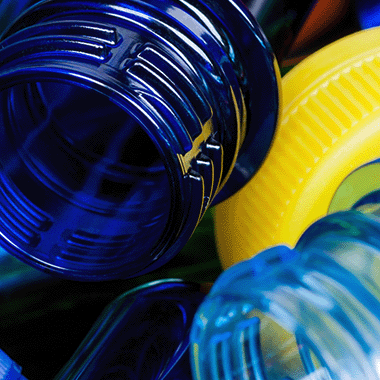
329,128
122,122
311,312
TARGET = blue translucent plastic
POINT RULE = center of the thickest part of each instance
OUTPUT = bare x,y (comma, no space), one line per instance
368,13
144,334
120,122
15,275
11,9
9,370
312,312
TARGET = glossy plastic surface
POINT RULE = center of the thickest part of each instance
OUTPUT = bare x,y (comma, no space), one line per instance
368,12
312,312
14,275
10,10
329,128
65,310
281,21
113,138
144,334
9,370
322,26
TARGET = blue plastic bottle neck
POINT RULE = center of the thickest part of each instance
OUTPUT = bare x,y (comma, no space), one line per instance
123,120
143,334
311,311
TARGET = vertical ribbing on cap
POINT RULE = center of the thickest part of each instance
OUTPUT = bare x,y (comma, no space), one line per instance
320,140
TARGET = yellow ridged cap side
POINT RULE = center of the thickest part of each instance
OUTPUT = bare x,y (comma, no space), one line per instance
330,126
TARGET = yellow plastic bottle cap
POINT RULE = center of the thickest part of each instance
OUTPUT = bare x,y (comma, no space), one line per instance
319,160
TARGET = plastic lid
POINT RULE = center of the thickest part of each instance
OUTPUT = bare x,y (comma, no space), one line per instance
329,128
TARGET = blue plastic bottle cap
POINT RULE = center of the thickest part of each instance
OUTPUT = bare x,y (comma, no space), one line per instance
121,122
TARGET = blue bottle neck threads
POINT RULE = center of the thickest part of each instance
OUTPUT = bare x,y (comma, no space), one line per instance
308,313
121,121
9,10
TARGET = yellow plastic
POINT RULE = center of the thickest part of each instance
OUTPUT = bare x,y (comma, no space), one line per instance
330,127
358,184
